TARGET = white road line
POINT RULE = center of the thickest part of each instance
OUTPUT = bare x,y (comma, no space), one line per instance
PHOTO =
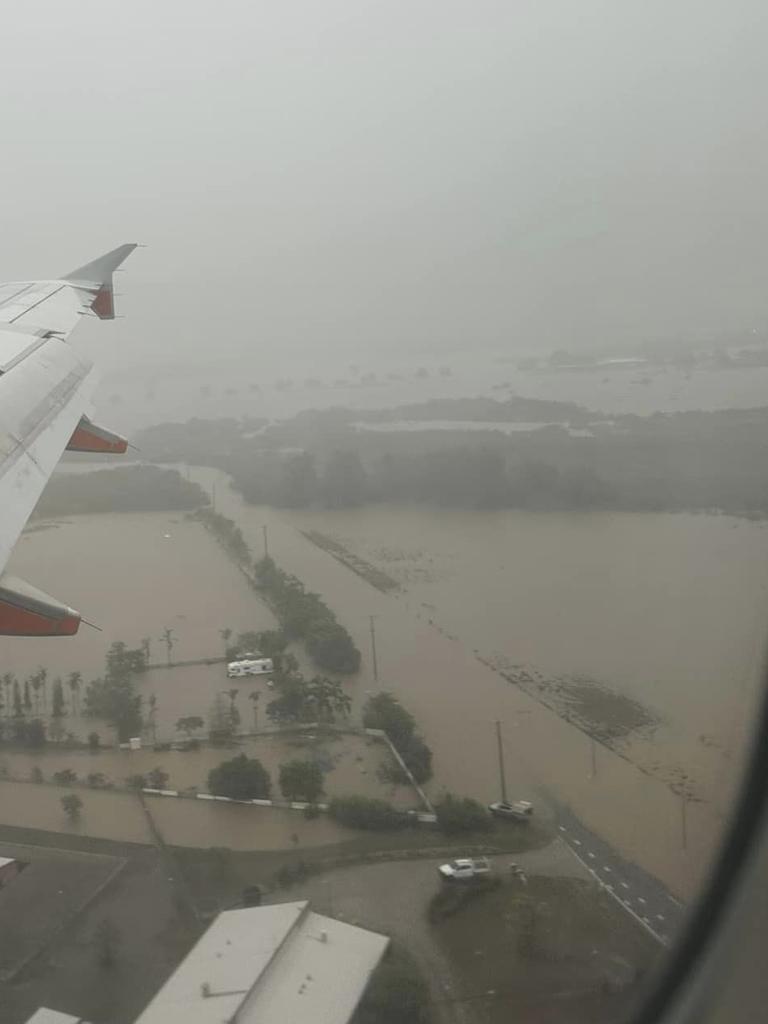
660,917
606,868
577,842
625,885
622,903
673,900
590,854
562,828
640,899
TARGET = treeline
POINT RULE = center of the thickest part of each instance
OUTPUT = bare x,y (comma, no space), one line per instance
123,489
305,615
227,532
385,712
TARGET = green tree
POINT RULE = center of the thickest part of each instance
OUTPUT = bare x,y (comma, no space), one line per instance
301,780
27,699
241,778
383,711
234,714
97,780
65,777
58,710
72,805
136,781
94,741
8,680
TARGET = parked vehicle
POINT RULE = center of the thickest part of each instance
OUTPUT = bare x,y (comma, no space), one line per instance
519,810
249,667
465,869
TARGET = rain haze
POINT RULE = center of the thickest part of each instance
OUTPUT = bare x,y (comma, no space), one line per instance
441,555
357,177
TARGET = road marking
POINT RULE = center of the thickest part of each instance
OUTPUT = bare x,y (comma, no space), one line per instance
590,854
673,900
640,899
625,885
577,842
659,938
660,917
562,828
606,868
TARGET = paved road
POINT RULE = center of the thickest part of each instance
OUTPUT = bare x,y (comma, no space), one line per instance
639,893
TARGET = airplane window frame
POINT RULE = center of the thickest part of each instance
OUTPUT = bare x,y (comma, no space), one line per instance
741,842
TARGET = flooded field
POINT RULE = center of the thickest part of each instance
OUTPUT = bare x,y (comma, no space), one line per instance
649,624
350,763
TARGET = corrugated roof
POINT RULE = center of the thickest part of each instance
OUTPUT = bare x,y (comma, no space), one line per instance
270,964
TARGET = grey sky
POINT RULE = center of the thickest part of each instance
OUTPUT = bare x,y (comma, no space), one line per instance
317,173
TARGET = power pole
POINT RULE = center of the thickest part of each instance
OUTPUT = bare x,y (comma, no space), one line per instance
502,779
593,749
266,545
373,649
684,819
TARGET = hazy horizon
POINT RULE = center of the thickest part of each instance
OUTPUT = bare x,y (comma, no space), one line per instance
320,178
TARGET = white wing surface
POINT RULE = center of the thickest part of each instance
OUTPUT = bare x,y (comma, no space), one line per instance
45,391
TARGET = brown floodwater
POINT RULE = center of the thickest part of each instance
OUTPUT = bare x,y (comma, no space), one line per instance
667,610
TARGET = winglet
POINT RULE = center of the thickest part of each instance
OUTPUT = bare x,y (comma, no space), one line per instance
97,277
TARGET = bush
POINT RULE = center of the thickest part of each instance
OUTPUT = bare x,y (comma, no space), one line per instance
241,778
457,814
385,712
301,780
94,741
367,813
136,781
65,777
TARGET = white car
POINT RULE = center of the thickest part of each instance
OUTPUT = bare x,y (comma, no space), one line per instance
249,667
519,810
464,869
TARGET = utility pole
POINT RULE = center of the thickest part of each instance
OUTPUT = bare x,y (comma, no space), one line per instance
593,749
502,779
684,819
373,649
266,545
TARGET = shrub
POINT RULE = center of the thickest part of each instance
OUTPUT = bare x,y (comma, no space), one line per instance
365,812
301,780
65,777
462,814
241,778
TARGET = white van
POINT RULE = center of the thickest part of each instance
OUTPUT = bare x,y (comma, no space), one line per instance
250,667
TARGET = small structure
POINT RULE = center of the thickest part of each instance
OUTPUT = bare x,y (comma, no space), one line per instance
271,965
46,1016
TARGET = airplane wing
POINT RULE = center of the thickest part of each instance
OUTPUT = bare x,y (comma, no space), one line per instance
45,391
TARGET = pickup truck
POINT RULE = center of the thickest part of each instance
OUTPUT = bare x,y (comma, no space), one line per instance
518,810
465,869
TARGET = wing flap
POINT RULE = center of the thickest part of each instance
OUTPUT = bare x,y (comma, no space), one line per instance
27,611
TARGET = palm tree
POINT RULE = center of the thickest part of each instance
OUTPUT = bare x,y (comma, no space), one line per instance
234,714
254,696
74,680
42,676
153,717
36,683
225,635
167,638
8,680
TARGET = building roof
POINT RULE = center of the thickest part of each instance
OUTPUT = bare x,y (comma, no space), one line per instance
46,1016
4,861
281,964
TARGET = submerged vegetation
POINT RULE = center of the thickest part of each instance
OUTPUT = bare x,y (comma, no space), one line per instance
122,489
